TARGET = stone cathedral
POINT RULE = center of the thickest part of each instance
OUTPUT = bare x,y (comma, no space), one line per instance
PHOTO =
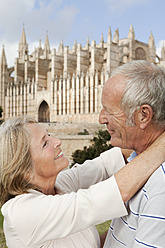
65,85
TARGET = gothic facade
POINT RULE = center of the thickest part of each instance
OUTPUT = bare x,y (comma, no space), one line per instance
65,85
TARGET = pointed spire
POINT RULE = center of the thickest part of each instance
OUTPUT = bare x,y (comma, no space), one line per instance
75,43
131,33
40,47
47,47
163,53
75,46
23,46
102,39
151,41
23,37
116,36
152,49
109,36
88,43
39,50
61,47
3,57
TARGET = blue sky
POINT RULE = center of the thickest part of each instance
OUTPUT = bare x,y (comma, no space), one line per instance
71,20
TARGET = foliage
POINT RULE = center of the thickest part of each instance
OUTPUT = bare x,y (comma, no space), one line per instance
100,143
2,237
84,133
2,240
1,110
1,220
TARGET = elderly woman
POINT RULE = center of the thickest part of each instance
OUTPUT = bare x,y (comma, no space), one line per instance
39,213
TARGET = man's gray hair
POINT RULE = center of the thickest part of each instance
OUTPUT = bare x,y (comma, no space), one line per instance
145,85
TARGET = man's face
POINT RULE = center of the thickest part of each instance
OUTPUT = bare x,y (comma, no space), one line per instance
113,116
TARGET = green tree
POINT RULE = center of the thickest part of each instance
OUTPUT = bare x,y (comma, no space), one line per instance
100,143
1,111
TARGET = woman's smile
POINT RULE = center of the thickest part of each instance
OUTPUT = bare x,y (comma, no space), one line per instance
60,154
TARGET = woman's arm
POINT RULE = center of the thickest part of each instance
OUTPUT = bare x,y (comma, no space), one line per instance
91,171
129,179
132,176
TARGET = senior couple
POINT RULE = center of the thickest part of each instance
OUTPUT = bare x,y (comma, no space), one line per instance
46,206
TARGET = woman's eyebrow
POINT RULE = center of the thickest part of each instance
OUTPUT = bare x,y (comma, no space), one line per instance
43,138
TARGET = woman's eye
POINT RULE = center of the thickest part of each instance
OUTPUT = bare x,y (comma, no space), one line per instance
45,143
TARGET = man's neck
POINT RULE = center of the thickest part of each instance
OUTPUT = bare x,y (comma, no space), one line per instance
147,139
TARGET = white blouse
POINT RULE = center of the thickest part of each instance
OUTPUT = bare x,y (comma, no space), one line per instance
67,219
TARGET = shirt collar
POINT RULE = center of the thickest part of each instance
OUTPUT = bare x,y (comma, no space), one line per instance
132,156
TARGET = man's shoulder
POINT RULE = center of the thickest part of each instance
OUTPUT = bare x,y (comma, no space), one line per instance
155,186
156,182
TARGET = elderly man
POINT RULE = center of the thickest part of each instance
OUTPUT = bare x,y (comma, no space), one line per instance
133,101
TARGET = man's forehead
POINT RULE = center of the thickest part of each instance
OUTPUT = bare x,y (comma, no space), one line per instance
116,85
119,80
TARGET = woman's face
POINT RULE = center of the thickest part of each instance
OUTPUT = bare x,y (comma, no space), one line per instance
47,156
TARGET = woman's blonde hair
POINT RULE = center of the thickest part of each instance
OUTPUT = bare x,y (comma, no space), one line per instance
15,158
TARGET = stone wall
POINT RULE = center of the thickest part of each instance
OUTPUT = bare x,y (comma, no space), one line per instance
71,143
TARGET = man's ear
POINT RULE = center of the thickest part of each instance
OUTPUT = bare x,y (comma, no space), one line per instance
145,114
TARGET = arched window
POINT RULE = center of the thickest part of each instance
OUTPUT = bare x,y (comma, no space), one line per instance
43,112
140,54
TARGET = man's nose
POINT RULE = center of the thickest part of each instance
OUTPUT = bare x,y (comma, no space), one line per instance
102,117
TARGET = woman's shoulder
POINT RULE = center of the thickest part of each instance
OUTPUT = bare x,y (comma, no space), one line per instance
25,208
21,202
